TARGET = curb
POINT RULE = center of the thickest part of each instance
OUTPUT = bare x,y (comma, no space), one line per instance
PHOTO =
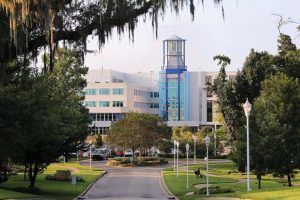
81,196
172,196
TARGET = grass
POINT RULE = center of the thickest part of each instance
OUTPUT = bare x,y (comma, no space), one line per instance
59,190
271,188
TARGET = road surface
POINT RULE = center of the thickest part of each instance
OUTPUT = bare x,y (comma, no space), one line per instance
127,183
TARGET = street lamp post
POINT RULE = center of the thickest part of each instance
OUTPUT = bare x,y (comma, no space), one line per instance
207,141
247,108
194,138
187,146
90,155
174,149
215,139
177,145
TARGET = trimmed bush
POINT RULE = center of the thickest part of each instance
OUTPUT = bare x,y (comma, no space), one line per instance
63,175
215,190
50,177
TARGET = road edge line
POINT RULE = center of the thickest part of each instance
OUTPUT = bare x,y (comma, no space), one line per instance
165,186
81,195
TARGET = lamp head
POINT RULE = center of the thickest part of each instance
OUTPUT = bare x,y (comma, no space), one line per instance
207,140
187,146
247,108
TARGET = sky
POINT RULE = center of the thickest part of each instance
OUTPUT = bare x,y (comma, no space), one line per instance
248,24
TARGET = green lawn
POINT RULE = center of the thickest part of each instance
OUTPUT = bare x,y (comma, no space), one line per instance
271,188
51,189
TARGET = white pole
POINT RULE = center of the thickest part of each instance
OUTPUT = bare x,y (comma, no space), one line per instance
194,151
90,158
207,190
174,149
215,137
248,157
177,159
187,168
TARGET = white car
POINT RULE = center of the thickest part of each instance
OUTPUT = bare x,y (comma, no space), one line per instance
128,153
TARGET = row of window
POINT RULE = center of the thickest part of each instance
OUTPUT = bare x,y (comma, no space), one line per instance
209,80
145,105
104,91
100,130
91,104
141,93
105,117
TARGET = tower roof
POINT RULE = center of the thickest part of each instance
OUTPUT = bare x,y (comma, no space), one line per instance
175,37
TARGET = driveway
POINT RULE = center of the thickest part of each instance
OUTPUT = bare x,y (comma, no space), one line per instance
127,183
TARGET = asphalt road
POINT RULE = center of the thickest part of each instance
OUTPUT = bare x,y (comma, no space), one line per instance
130,183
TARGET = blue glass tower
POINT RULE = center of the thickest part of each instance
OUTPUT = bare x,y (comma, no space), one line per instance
174,81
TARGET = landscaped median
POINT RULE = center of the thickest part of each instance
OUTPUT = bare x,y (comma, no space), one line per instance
130,162
16,187
225,182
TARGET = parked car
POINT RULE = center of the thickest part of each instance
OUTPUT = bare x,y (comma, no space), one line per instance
128,153
97,155
100,154
119,153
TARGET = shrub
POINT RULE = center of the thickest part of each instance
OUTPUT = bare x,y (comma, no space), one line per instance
216,190
50,177
63,175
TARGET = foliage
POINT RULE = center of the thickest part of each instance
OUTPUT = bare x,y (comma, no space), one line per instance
59,190
216,190
278,115
99,141
184,136
42,116
257,67
138,131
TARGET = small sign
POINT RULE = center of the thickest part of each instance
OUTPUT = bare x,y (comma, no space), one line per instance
73,180
131,159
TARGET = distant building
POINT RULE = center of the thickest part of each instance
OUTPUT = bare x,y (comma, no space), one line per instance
110,94
175,93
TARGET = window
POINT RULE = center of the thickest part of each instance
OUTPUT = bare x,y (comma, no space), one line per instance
209,111
104,103
208,80
90,103
154,94
118,91
117,103
90,91
154,105
104,91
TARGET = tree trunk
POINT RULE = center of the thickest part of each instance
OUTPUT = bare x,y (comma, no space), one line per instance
289,179
259,181
33,171
25,172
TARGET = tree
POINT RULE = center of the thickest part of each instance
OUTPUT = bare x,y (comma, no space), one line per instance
227,98
48,119
278,115
35,24
287,60
138,131
184,136
99,141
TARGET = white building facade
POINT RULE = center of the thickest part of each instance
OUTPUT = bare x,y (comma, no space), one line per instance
110,94
174,93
